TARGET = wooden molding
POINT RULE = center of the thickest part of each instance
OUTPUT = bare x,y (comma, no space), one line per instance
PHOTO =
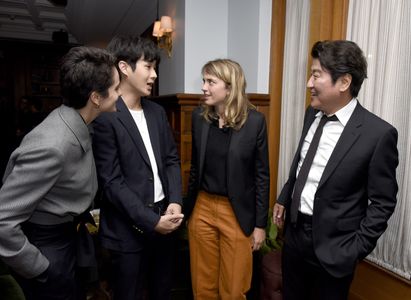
275,90
372,282
328,21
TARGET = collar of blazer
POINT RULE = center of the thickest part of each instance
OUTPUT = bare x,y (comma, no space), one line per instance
126,119
348,137
76,124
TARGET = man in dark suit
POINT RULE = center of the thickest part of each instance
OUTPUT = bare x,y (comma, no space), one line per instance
342,191
139,175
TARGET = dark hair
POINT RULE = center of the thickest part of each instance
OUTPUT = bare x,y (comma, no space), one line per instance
342,57
84,70
131,48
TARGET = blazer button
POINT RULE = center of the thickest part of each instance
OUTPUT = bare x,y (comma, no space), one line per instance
150,178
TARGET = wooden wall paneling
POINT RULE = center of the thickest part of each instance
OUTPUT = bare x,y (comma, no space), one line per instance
328,21
187,102
275,90
262,103
372,282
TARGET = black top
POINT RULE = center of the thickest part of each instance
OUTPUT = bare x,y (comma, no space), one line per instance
215,163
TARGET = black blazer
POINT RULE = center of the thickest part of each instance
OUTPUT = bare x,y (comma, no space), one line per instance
356,194
248,179
125,174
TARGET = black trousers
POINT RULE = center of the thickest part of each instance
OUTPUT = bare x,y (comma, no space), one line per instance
146,274
57,243
303,276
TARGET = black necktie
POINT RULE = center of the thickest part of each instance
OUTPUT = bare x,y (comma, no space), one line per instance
305,168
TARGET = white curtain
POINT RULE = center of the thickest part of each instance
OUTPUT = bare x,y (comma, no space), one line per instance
383,31
294,83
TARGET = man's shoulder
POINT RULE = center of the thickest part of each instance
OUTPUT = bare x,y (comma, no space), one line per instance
375,122
105,118
150,104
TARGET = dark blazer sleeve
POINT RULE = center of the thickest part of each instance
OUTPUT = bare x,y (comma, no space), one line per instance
262,176
382,192
130,203
171,163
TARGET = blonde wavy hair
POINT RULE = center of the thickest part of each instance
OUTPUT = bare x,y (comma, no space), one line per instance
237,104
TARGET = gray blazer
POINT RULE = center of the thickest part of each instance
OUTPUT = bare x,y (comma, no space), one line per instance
49,179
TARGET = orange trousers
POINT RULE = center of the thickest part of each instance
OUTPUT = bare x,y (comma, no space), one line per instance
220,252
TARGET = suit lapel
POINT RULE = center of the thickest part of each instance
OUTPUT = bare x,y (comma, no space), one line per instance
153,131
307,124
127,120
348,137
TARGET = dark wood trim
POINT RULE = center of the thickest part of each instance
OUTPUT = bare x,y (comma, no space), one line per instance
328,21
372,282
275,90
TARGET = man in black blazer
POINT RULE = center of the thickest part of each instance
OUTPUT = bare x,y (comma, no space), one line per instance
338,210
139,174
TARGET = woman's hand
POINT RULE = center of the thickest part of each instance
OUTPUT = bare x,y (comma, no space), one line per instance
258,238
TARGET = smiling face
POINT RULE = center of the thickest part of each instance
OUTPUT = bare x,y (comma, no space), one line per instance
215,91
143,77
326,95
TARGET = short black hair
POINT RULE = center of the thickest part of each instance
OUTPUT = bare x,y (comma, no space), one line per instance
131,48
342,57
84,70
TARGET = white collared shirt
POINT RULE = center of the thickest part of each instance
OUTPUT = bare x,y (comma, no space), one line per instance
140,119
329,138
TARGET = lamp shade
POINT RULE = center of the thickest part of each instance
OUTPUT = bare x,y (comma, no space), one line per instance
166,24
156,29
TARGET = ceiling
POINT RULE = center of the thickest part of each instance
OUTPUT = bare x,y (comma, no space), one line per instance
85,21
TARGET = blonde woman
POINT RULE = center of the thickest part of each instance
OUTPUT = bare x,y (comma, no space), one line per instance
227,201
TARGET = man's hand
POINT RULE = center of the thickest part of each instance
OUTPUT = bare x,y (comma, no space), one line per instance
258,238
173,209
278,215
169,223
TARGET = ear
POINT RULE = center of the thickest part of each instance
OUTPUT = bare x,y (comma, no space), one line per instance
228,89
95,99
123,67
345,82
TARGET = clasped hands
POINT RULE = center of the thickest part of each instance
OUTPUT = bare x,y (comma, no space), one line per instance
171,220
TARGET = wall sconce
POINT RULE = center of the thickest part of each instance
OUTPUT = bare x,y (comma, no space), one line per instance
163,30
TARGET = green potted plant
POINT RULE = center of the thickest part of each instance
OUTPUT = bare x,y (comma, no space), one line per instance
271,276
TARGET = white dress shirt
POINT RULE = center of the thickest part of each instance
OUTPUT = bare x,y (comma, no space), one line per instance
329,138
140,119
